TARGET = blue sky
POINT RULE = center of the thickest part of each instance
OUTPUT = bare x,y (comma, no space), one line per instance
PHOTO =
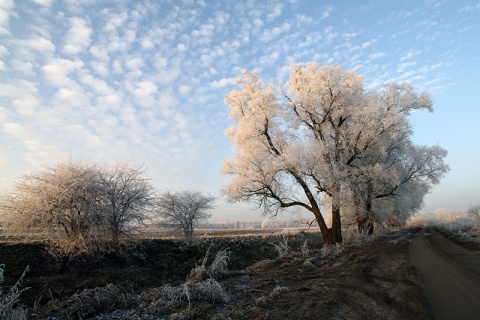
146,80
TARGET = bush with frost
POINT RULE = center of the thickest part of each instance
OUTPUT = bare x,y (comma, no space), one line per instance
305,251
10,308
94,301
332,251
217,268
184,295
282,248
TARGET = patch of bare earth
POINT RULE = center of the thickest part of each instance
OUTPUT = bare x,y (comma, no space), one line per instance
368,281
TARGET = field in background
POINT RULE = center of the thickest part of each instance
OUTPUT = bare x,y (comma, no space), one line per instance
461,226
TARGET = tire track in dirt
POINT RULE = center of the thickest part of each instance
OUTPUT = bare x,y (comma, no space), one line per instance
449,275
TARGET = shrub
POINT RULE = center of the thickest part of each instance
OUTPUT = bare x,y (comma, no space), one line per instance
92,301
183,295
331,250
217,268
220,263
10,309
305,251
282,249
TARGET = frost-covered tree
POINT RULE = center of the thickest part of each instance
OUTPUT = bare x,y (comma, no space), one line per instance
60,203
184,210
389,173
77,206
126,198
321,134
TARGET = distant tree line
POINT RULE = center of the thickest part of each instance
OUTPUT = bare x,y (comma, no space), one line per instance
81,207
263,224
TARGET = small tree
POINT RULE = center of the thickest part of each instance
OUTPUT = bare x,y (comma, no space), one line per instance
126,198
184,210
60,203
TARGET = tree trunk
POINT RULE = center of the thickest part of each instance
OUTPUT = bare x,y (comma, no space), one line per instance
326,234
336,225
336,221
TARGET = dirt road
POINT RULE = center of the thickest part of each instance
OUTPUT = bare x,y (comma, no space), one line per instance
449,275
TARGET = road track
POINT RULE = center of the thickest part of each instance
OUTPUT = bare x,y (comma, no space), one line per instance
448,274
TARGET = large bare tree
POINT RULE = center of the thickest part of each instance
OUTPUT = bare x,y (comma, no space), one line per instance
314,136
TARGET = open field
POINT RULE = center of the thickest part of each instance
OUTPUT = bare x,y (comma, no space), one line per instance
373,280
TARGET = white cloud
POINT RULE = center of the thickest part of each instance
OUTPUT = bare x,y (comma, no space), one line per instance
98,85
146,43
329,34
100,53
101,68
269,59
145,88
56,70
205,30
303,19
410,54
376,55
258,23
6,9
3,50
269,34
184,89
469,8
114,21
276,12
405,65
181,47
221,18
326,12
113,99
205,60
222,83
24,67
134,63
45,3
78,37
29,48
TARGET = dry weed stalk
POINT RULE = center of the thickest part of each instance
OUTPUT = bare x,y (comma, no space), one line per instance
9,302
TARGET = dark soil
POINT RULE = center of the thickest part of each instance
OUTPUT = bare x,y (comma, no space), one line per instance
145,265
366,281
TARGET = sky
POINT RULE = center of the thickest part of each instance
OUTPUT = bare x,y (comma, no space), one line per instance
146,80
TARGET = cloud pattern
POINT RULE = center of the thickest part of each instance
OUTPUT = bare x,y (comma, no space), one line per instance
146,80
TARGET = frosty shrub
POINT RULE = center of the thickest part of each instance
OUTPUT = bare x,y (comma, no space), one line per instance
305,251
183,295
278,290
217,268
282,249
10,309
200,272
93,301
475,214
351,236
333,251
220,263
